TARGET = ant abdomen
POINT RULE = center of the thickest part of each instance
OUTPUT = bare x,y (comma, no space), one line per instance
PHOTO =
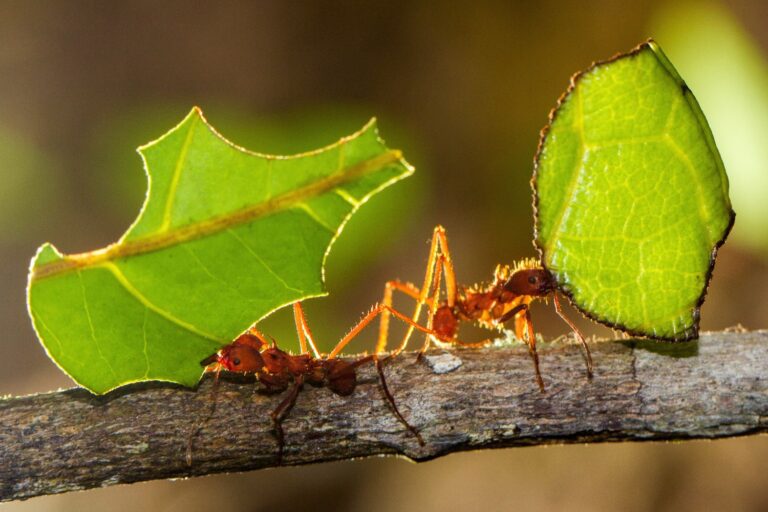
445,322
342,377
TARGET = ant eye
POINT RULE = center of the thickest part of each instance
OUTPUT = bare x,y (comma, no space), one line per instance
236,361
532,279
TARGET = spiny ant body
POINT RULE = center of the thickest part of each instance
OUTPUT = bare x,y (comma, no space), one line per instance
507,297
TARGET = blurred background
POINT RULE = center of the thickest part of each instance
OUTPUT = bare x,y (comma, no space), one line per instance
463,90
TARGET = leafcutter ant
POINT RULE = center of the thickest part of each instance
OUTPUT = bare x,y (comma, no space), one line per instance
507,297
278,370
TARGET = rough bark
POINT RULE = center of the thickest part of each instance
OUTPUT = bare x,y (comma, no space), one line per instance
68,440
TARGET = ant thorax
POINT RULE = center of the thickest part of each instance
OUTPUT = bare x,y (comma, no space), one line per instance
487,303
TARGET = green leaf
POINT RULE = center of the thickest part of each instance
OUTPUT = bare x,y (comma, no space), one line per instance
631,196
224,238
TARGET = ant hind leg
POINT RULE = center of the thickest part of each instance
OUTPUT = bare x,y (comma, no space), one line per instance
380,309
303,330
391,400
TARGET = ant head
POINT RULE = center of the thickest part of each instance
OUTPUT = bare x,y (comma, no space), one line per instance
242,355
240,358
536,282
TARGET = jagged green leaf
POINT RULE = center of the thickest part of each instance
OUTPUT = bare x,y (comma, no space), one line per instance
631,196
224,238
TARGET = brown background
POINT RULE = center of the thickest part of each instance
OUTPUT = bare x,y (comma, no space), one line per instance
463,89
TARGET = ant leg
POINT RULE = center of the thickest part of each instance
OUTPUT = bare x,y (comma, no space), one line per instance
433,303
302,328
407,288
379,309
447,263
433,307
577,332
281,411
520,327
378,362
193,433
522,316
391,400
298,313
438,246
532,347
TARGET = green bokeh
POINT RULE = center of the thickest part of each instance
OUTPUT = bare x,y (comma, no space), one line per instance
728,72
27,173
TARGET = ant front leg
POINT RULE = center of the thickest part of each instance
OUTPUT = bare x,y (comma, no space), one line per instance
199,427
577,332
521,314
281,411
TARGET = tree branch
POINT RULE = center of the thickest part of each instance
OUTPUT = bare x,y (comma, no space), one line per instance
68,440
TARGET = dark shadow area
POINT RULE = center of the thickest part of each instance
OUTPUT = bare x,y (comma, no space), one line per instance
83,395
665,348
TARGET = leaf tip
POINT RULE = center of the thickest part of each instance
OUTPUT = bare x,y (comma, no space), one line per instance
195,114
46,253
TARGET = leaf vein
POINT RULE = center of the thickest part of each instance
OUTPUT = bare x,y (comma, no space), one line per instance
176,178
686,161
145,347
123,280
568,196
264,263
210,274
216,224
45,326
347,197
314,216
90,325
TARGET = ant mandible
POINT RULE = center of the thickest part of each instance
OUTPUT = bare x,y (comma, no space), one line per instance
278,370
507,297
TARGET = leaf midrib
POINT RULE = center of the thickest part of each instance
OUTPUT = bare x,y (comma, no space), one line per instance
214,225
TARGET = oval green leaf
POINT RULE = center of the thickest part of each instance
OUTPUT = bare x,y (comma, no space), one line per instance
631,196
225,237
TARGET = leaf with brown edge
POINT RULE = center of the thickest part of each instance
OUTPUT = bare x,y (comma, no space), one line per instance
631,196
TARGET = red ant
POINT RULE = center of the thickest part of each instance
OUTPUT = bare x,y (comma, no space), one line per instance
491,305
278,370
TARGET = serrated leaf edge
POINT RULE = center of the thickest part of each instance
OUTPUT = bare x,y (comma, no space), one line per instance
122,249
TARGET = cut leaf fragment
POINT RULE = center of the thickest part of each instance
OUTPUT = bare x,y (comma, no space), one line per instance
224,238
631,196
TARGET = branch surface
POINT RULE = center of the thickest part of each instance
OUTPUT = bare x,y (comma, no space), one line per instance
642,390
